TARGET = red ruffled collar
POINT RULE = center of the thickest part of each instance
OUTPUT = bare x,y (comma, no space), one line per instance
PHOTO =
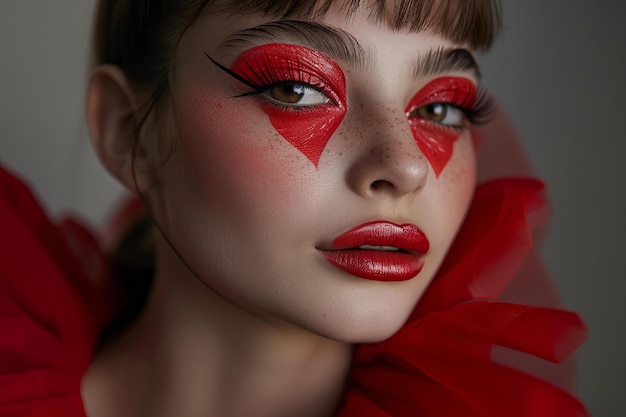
440,363
55,297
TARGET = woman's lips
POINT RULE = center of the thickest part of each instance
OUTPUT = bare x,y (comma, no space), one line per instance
380,251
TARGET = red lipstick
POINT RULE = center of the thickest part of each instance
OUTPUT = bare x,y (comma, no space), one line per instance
380,251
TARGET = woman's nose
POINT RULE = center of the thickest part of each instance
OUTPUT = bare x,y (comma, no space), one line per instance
388,162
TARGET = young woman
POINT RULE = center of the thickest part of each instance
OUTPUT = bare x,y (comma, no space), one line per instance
307,167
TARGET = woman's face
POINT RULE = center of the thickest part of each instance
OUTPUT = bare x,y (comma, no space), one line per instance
320,170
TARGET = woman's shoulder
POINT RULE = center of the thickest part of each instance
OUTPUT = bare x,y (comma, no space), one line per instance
55,293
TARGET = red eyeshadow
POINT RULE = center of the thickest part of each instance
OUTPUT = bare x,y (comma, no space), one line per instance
308,128
436,141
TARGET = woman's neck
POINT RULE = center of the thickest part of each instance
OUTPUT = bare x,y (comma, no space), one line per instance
192,353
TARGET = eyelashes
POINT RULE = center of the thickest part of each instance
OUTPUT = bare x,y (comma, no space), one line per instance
289,89
451,102
482,110
292,83
233,74
291,76
478,109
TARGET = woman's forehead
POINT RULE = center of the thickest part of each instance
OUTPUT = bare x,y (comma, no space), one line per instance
473,23
341,45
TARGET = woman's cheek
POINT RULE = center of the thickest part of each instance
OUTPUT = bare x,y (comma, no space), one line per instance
459,178
231,150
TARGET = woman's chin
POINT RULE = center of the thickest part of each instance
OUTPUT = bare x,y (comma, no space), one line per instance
365,327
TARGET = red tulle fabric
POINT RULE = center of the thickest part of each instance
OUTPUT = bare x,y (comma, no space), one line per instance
57,296
441,362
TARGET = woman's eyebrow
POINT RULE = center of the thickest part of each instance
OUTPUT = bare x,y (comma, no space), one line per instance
334,42
344,47
445,60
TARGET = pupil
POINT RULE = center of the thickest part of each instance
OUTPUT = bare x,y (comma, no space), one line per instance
288,92
435,112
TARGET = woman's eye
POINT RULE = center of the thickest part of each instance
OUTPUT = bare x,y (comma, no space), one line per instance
440,113
295,94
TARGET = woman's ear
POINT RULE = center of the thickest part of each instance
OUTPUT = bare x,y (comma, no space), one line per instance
113,117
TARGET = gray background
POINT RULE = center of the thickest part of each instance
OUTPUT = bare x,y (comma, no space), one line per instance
559,69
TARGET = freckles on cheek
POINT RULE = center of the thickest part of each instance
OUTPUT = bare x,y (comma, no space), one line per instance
459,179
228,155
307,127
436,143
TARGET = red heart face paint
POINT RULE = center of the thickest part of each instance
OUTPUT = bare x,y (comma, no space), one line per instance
304,93
436,139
